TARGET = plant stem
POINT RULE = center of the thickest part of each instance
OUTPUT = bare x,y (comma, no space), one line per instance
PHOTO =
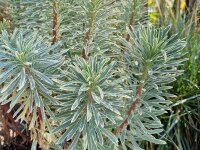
87,37
91,16
24,137
135,104
131,109
55,23
39,114
130,24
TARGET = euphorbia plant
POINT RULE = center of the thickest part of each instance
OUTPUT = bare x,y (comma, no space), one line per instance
93,97
108,94
27,70
97,103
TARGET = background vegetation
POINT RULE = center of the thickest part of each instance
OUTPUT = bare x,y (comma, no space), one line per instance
182,124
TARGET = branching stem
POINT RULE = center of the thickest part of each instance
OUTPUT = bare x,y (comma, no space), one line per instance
135,104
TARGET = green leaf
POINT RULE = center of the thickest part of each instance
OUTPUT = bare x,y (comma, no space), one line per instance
73,130
74,143
82,123
9,84
19,109
34,145
16,98
110,135
83,88
22,80
30,100
42,109
62,126
89,114
37,99
152,139
77,101
49,111
7,71
96,116
32,82
95,98
43,77
100,92
78,74
14,71
33,120
50,98
42,87
77,113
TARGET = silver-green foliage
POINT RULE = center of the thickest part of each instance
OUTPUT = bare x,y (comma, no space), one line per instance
74,21
92,98
133,13
95,101
26,73
152,58
85,100
33,15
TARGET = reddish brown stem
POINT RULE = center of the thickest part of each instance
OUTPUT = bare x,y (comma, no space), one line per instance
39,113
87,37
16,127
4,121
131,109
84,55
66,145
5,108
55,23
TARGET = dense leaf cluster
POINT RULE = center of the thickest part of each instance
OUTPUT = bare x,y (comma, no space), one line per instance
108,98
